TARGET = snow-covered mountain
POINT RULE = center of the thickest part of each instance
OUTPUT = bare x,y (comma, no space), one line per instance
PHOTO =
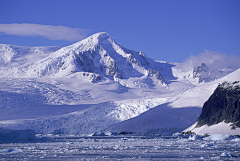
96,84
94,58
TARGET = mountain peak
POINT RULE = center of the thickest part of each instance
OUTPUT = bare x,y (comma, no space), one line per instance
100,37
101,34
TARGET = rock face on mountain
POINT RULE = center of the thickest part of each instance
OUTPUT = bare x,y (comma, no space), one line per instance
205,73
201,72
223,105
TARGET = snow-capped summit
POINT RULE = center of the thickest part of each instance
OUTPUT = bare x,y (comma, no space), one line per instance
92,41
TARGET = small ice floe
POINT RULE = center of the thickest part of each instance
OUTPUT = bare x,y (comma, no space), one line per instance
195,137
220,137
15,150
32,147
215,158
110,133
104,133
226,154
69,142
206,145
98,134
203,158
177,134
236,140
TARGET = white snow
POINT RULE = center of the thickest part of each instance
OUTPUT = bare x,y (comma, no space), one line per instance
219,128
219,137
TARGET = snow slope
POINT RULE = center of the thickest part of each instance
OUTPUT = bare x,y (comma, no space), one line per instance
11,55
220,128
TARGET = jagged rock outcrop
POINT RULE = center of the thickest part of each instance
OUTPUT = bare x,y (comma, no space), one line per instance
201,72
208,73
156,74
223,105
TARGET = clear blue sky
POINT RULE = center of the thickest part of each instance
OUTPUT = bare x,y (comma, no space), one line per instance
163,29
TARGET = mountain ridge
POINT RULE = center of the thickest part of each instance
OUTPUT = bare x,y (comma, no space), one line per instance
98,55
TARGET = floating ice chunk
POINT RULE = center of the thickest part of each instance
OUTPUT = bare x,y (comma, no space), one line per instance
15,150
32,147
177,134
215,158
194,137
226,154
237,140
105,133
220,137
110,133
69,143
206,145
98,134
203,158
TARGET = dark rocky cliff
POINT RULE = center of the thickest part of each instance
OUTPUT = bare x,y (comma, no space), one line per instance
223,105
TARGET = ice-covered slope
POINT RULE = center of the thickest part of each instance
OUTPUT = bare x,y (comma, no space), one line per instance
85,119
177,114
11,55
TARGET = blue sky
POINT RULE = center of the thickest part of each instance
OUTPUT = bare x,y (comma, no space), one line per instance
168,30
